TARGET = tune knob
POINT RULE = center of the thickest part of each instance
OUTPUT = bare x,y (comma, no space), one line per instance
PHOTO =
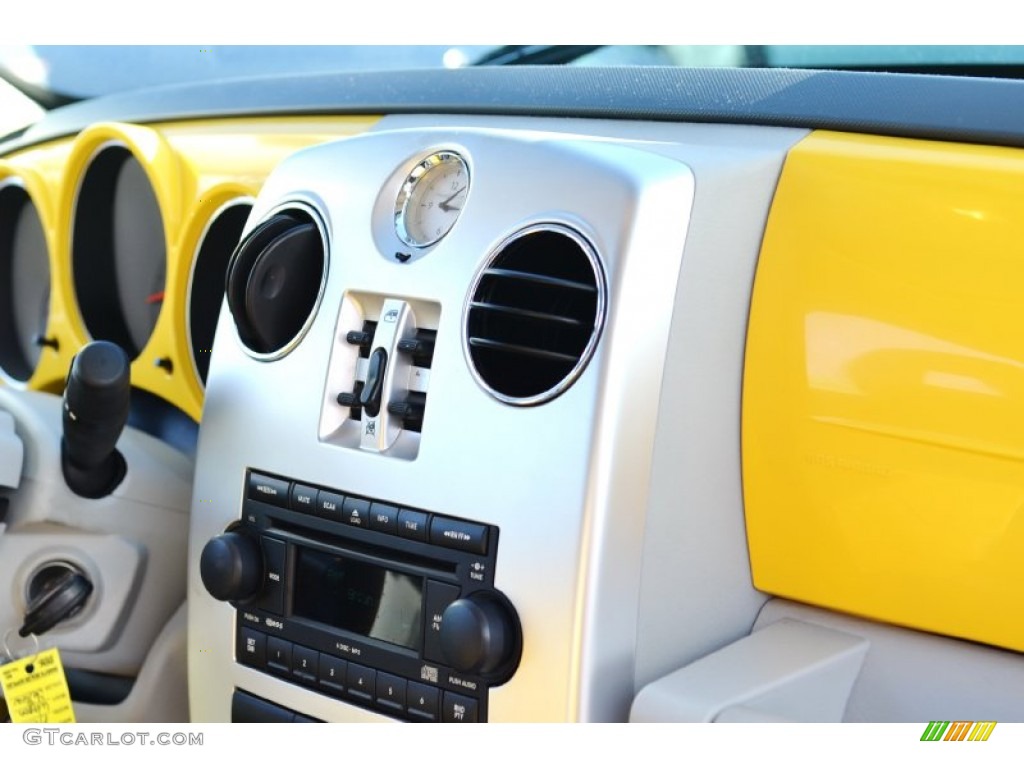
480,635
231,566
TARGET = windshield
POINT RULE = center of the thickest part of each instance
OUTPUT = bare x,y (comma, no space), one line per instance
56,75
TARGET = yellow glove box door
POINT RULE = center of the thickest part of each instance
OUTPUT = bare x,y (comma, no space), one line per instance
883,411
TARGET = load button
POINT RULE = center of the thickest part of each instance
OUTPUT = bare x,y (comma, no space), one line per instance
458,534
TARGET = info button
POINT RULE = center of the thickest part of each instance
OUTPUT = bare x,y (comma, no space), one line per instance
457,534
383,517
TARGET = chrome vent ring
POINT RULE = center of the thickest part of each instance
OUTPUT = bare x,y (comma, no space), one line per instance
535,314
275,281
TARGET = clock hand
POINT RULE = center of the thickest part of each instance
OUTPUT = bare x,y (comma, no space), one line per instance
457,192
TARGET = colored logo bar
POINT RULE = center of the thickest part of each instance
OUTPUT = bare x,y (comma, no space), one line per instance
960,730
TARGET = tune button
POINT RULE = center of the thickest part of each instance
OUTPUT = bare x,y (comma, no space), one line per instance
412,524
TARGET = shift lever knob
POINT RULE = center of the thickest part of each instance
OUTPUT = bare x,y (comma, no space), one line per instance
95,410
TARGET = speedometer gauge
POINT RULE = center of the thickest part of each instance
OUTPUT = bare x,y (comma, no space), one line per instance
431,199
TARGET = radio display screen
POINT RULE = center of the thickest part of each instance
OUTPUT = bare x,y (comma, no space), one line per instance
359,597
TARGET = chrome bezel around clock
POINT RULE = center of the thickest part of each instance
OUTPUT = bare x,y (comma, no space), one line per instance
415,190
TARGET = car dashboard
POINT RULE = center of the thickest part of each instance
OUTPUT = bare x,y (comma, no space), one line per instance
549,395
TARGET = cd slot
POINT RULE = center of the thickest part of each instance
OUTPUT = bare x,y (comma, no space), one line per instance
305,536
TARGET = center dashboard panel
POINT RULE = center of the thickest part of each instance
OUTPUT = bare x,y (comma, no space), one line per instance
445,349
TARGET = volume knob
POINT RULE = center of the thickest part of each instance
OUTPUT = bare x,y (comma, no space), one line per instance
479,634
231,566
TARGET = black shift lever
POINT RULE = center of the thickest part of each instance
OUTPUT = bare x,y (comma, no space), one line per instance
96,401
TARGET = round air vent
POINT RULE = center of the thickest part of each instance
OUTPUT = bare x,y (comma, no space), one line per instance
535,314
275,280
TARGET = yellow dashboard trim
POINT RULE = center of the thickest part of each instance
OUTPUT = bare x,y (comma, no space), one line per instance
195,168
883,410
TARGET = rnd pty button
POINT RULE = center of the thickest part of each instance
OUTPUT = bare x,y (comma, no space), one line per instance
459,709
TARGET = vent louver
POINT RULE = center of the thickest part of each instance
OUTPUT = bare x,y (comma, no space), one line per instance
535,314
275,281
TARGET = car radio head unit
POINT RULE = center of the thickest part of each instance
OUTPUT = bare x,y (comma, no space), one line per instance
388,608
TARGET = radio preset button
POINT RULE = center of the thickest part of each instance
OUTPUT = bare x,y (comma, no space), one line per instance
412,524
383,517
272,490
330,505
423,700
362,681
439,597
357,512
304,663
272,596
279,654
252,648
331,673
458,534
303,498
391,691
459,709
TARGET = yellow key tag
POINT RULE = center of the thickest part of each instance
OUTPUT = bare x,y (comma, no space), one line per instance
36,689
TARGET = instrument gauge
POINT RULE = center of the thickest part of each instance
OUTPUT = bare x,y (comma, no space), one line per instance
431,199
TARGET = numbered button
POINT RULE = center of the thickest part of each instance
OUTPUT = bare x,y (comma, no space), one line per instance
362,681
279,654
331,673
391,691
423,700
304,663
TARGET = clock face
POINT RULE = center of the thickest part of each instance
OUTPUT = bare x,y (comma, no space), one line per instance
431,199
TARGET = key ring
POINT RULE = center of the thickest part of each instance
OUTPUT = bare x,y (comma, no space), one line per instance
7,648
